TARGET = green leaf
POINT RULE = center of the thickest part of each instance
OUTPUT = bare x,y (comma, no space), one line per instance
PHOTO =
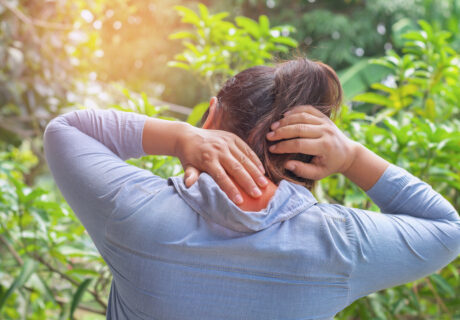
176,64
36,193
182,35
414,35
197,113
203,11
373,98
78,296
220,16
285,40
427,28
82,271
454,271
188,15
264,24
49,294
443,284
249,26
28,268
382,87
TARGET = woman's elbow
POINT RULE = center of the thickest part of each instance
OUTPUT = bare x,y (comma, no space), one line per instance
454,220
52,128
457,225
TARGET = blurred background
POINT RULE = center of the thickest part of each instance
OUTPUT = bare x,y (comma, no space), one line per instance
398,62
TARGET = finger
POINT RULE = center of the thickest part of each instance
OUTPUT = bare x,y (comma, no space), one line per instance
241,176
305,170
297,118
250,153
308,109
250,167
305,146
191,176
299,130
225,183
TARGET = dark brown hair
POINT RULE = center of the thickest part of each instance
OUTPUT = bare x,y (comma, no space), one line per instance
252,100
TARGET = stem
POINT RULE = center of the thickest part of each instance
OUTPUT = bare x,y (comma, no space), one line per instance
61,301
70,279
437,297
11,249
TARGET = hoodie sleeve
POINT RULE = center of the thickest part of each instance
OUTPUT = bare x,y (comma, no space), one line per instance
85,151
417,233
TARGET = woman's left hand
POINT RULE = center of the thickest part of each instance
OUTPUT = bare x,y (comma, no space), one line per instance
307,130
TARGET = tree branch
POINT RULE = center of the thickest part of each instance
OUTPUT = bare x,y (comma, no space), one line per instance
13,252
63,301
70,279
19,260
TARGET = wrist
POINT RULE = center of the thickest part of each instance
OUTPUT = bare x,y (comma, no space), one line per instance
182,133
355,150
366,168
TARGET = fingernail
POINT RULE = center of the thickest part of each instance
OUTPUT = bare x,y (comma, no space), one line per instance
271,134
262,169
238,199
272,148
262,181
290,166
287,112
275,125
256,192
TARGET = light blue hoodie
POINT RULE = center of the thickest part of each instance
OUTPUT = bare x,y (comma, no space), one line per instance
178,253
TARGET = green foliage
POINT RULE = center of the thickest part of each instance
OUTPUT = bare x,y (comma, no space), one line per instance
39,234
49,268
26,271
413,122
344,32
217,48
78,296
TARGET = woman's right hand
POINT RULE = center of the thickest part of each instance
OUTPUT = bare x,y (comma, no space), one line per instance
223,155
311,132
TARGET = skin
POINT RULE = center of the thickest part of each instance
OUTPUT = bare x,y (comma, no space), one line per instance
311,132
238,171
223,155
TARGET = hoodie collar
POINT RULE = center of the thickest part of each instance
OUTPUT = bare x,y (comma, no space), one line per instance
208,200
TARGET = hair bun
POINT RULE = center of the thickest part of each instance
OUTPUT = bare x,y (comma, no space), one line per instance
256,97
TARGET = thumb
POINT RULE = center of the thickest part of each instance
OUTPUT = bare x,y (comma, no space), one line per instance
305,170
190,176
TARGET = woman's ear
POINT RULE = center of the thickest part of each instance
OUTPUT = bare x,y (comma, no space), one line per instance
210,120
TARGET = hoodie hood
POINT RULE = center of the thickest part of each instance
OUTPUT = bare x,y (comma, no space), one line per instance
208,200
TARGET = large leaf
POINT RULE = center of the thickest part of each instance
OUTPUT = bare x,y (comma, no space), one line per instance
249,25
442,284
373,98
360,76
78,296
197,113
28,268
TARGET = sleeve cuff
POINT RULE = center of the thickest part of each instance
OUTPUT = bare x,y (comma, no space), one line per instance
132,143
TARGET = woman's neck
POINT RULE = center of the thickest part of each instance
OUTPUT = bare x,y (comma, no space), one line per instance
257,204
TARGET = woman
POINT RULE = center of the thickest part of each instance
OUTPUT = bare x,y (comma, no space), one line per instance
187,251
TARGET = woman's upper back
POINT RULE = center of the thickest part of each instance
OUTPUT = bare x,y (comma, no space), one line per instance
193,253
178,253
